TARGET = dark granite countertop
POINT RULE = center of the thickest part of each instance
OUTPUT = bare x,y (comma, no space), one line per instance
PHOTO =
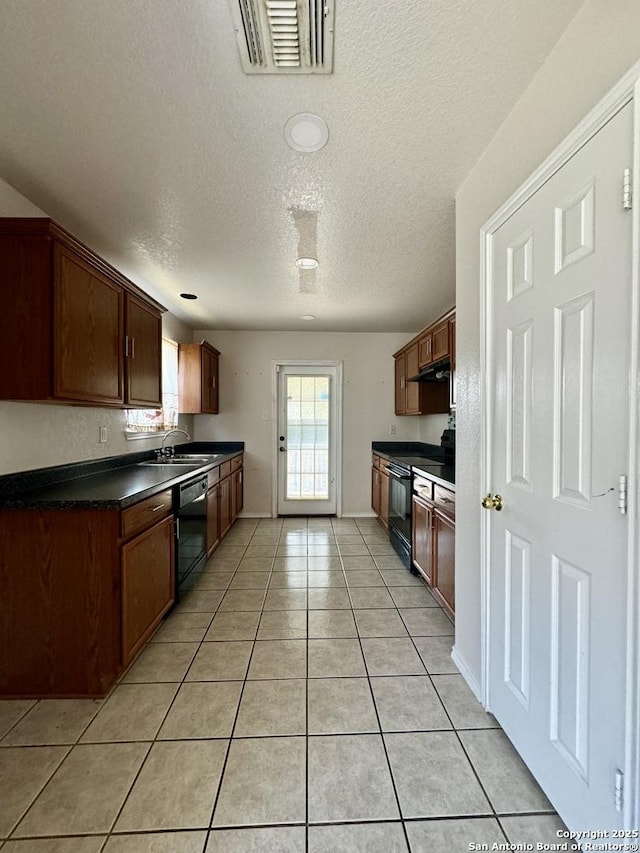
112,483
424,459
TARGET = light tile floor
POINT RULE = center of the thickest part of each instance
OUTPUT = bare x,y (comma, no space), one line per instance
301,697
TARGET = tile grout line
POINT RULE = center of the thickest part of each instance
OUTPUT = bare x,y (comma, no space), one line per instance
155,738
381,735
210,828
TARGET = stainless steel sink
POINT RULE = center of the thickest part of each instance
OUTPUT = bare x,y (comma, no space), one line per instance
177,463
205,457
188,460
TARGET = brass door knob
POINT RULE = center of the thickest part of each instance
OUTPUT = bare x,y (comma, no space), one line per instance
493,502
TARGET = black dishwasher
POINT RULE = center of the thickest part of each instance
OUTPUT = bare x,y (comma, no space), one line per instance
191,528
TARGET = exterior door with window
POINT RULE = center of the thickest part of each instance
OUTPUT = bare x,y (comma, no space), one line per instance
308,403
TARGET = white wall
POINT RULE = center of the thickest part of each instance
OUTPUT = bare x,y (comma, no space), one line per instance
246,392
598,47
430,428
33,435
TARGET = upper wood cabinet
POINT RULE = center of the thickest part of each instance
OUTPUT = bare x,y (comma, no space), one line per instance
143,353
198,379
425,348
433,344
417,398
440,348
79,330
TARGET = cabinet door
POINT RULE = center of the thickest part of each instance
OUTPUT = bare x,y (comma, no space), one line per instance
422,535
209,381
441,341
225,506
413,388
384,499
213,518
88,320
375,491
148,585
425,349
400,384
444,550
143,354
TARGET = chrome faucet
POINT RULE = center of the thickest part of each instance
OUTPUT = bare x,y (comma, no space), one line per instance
167,452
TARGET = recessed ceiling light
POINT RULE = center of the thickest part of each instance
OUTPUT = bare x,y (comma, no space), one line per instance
307,263
306,132
188,296
308,317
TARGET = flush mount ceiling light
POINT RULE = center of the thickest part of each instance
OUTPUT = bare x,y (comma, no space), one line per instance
306,132
308,317
188,296
307,263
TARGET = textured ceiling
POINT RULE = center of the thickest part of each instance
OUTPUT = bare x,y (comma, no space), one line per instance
132,124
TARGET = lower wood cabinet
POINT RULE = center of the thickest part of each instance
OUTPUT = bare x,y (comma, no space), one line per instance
433,534
148,585
422,532
375,485
444,538
225,499
380,489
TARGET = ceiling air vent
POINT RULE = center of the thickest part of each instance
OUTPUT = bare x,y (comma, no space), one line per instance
284,36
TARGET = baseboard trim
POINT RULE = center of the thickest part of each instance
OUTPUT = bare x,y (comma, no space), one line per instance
466,673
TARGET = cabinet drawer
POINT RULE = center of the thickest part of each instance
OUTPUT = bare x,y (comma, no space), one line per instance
225,470
236,463
375,460
213,476
423,488
444,499
147,512
384,464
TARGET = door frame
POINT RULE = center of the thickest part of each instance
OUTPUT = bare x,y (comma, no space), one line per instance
275,370
625,91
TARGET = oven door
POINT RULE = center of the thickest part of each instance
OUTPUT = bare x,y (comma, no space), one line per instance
191,528
400,502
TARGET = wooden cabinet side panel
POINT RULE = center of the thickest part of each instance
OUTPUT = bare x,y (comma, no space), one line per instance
60,594
88,333
148,585
225,506
213,519
237,495
144,358
384,499
375,491
400,385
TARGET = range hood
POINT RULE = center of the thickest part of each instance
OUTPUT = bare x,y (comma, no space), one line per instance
439,371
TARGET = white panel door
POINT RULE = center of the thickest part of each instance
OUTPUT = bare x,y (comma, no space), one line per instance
560,323
308,404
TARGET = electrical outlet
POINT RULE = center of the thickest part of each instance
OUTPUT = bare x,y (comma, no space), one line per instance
392,429
103,435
